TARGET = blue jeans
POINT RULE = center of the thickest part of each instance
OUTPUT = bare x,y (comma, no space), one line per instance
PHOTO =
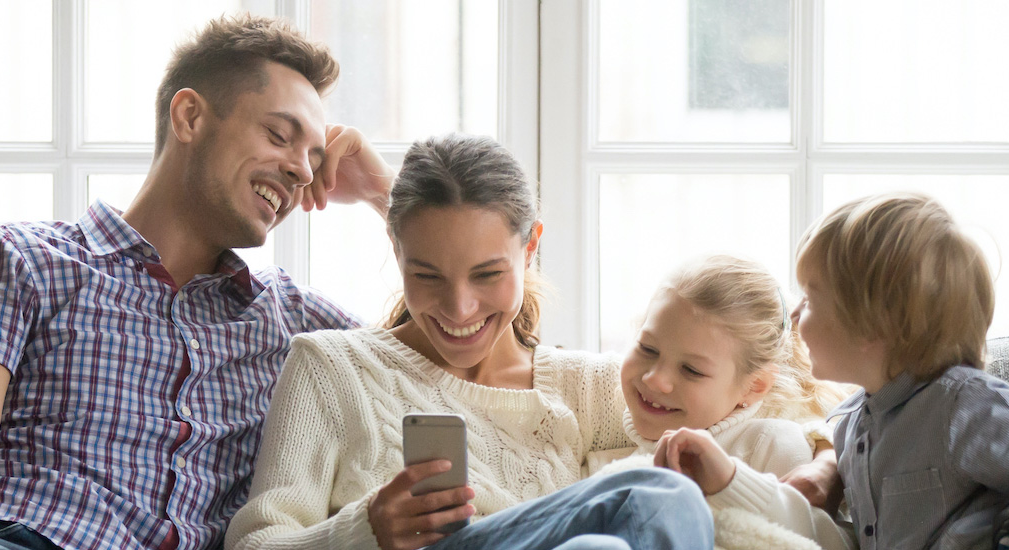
14,536
648,508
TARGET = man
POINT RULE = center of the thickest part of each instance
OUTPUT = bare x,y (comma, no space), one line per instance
139,353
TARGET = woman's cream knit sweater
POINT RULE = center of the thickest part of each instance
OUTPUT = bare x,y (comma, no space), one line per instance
333,435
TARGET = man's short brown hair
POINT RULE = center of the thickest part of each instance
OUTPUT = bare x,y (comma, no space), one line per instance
227,59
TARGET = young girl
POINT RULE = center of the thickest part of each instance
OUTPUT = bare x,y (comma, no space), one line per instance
717,353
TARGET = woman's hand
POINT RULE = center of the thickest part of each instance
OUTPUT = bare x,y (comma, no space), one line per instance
695,454
402,521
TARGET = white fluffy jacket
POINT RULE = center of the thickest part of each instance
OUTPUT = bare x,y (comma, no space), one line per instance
333,435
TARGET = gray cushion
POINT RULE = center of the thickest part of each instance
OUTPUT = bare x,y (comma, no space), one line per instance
998,357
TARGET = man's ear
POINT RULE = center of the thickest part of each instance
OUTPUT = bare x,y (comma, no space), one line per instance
534,242
188,112
761,382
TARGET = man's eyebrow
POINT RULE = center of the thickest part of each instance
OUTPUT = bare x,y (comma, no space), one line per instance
320,152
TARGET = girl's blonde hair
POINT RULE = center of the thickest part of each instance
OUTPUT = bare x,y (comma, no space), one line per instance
746,300
476,171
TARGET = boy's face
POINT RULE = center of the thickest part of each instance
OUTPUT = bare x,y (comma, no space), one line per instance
836,354
681,373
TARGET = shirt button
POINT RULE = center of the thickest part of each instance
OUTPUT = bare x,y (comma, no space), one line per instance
180,462
869,530
186,411
860,448
148,251
194,344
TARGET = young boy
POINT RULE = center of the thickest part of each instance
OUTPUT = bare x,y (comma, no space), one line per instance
899,301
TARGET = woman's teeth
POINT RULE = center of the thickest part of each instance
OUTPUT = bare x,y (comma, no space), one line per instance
464,332
268,194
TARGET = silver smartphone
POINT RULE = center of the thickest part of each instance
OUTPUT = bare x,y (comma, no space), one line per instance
437,436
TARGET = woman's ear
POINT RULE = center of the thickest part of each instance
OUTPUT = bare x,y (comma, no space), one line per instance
534,242
760,383
187,113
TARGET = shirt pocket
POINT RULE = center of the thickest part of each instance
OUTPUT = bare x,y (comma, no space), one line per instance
911,508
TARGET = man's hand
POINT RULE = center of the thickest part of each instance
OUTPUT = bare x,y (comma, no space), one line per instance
819,481
352,171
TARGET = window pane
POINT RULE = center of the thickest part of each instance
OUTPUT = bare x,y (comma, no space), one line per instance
977,201
128,45
26,38
411,69
359,272
118,191
912,71
651,224
699,71
26,197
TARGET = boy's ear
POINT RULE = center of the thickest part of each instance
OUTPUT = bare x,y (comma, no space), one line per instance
187,112
761,382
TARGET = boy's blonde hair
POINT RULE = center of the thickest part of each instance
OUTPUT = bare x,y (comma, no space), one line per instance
901,271
746,300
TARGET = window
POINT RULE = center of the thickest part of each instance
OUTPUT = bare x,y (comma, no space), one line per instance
672,130
88,72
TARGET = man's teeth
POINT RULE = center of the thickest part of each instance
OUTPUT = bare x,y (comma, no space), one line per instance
464,332
268,194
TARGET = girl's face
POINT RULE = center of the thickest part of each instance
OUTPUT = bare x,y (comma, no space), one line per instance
682,371
463,271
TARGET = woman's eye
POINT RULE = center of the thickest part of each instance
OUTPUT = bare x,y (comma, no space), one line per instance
425,276
489,275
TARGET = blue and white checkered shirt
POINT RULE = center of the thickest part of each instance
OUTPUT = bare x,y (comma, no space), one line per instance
926,464
135,408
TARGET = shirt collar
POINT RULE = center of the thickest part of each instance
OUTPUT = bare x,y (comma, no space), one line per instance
893,393
108,233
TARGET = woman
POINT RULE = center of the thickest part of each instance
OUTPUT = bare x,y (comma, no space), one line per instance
465,229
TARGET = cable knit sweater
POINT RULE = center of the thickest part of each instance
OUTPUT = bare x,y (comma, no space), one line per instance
333,435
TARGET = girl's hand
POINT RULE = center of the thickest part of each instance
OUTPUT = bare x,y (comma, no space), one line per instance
695,454
352,171
402,521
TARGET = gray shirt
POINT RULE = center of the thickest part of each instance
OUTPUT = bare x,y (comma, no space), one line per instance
926,464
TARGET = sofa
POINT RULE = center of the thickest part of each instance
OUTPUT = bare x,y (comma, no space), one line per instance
998,357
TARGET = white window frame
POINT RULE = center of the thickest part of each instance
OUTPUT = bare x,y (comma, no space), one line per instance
71,160
572,159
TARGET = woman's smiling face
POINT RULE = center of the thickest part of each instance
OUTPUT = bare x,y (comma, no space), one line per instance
463,270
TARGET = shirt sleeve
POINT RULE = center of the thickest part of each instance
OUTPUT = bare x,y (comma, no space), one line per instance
764,495
290,505
321,313
978,439
18,303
